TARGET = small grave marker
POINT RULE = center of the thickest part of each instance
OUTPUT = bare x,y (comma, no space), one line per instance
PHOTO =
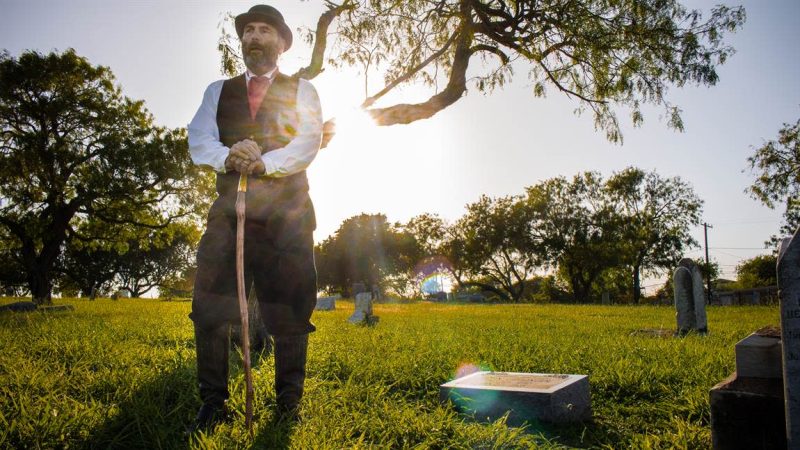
554,398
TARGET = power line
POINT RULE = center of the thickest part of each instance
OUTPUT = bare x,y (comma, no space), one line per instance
739,248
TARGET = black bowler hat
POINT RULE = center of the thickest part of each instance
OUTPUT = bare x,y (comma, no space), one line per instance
266,14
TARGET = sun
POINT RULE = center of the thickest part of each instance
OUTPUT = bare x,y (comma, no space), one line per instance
354,129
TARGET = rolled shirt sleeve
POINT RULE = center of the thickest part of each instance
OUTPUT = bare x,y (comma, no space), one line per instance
206,149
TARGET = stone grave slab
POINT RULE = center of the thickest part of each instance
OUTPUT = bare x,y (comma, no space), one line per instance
326,303
759,356
526,397
747,413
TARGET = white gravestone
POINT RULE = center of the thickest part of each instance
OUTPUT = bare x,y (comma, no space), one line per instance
687,283
363,309
789,295
554,398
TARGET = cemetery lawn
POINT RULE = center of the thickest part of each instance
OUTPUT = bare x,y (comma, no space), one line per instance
121,374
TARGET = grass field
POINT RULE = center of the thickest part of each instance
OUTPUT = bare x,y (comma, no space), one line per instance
120,374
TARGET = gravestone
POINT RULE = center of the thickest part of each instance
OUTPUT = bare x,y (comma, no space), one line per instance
525,397
363,310
327,303
789,295
19,307
606,298
747,409
759,355
30,306
690,304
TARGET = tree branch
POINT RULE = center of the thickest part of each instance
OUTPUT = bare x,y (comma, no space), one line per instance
456,86
314,67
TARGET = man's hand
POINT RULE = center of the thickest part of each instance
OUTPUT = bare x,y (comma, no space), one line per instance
256,167
243,155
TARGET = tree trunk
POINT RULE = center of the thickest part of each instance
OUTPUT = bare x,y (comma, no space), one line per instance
637,290
41,286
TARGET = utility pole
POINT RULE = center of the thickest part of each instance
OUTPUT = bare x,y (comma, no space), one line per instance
708,265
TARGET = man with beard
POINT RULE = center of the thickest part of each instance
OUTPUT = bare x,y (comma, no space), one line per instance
268,126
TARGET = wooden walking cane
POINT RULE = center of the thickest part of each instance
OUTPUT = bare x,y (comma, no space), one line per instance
248,376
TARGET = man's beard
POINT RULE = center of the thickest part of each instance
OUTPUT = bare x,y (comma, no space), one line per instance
260,62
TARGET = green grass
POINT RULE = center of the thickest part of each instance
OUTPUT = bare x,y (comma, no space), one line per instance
120,374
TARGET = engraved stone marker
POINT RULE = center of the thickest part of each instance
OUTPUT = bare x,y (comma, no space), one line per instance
687,283
789,295
525,397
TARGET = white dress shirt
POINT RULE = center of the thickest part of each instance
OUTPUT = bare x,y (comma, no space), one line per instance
206,149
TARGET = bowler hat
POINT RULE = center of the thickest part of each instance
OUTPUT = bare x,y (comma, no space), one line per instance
266,14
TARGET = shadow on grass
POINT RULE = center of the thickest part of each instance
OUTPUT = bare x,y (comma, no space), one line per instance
152,415
276,435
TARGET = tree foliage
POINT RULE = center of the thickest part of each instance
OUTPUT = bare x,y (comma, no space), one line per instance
759,271
73,148
157,257
603,54
656,214
496,251
365,249
776,165
576,229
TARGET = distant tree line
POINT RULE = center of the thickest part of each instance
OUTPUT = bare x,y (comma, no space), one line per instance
591,235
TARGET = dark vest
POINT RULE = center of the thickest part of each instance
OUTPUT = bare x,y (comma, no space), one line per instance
274,126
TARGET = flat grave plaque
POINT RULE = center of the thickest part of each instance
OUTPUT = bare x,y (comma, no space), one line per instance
525,397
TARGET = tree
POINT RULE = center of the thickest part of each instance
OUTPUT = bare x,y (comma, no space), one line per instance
576,229
157,257
365,249
756,272
72,147
496,249
12,276
88,270
776,165
656,215
429,230
602,54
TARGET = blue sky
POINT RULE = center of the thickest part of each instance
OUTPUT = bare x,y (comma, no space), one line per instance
165,54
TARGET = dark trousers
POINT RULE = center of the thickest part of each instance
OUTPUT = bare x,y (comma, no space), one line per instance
279,263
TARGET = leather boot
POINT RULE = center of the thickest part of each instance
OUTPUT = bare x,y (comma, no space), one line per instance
290,373
207,418
212,345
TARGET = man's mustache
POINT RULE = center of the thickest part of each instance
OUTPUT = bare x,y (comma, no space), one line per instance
260,47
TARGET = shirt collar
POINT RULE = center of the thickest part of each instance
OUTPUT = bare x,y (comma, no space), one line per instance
271,74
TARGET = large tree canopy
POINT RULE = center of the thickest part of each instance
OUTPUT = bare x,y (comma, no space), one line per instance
72,147
576,229
601,53
496,245
656,215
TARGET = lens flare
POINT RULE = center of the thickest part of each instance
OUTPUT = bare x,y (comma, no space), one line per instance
471,400
433,274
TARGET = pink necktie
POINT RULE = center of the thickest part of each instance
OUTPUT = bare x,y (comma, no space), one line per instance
256,89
